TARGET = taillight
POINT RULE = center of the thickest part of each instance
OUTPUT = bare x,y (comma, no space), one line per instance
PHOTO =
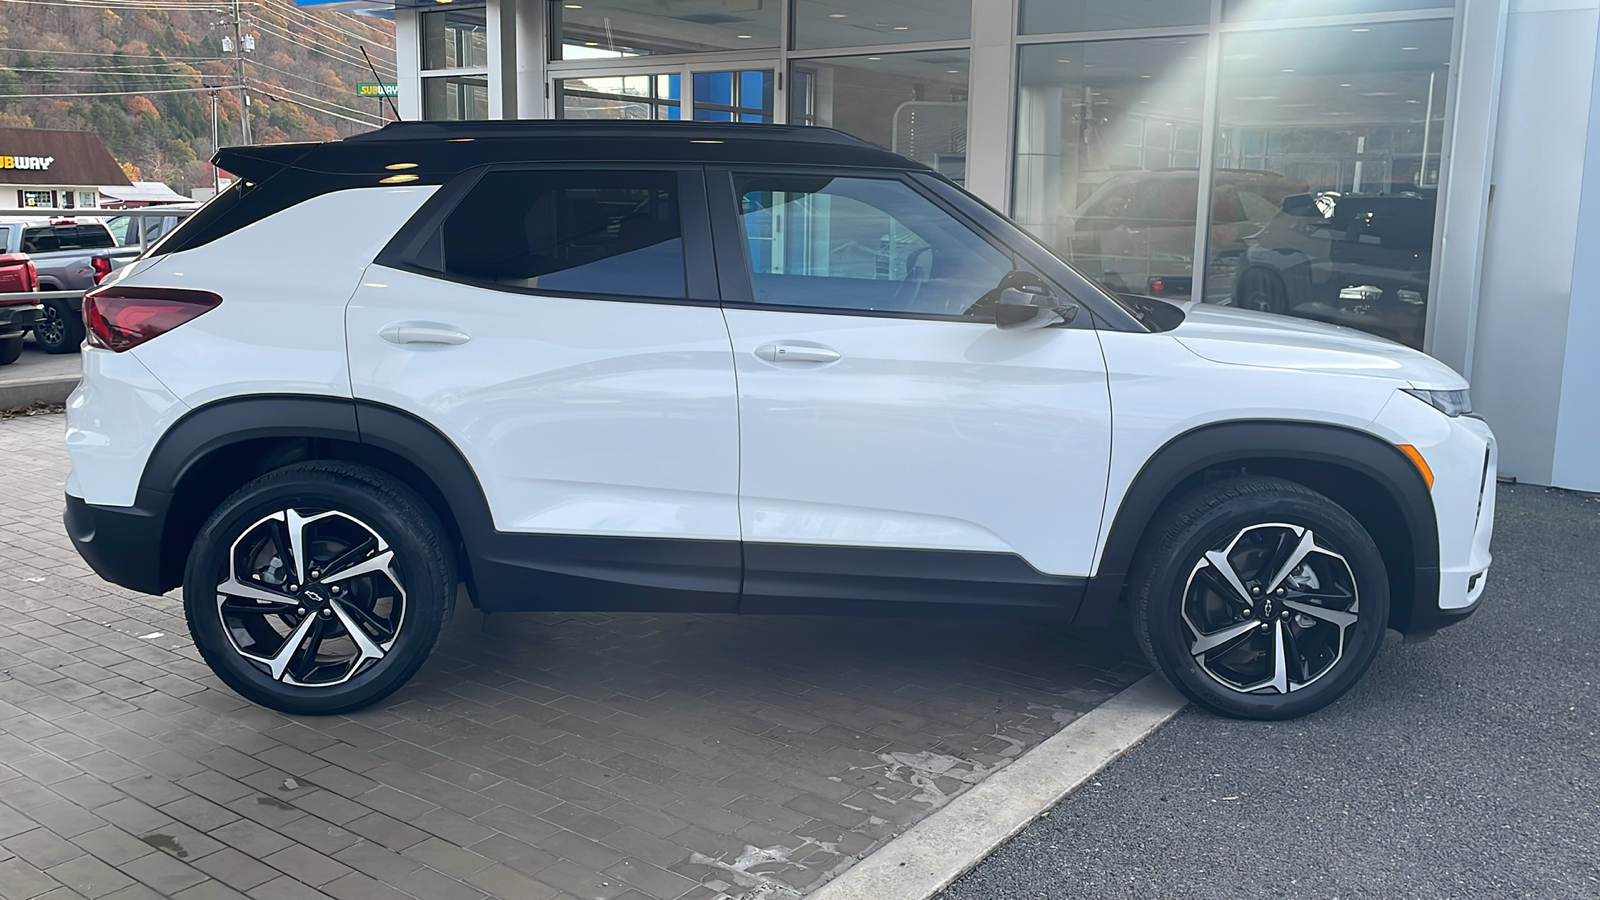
30,276
102,268
120,318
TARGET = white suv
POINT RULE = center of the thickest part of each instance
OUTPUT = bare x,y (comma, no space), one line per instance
761,369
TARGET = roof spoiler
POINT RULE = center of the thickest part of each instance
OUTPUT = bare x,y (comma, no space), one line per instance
259,162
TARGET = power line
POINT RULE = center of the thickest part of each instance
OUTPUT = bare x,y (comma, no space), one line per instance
269,91
112,53
309,19
220,87
102,4
108,71
282,34
265,86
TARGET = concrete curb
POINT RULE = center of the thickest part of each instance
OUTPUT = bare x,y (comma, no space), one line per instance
941,848
36,390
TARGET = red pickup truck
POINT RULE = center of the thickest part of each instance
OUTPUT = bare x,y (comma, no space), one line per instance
17,314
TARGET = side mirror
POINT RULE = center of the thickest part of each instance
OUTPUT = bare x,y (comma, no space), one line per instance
1025,303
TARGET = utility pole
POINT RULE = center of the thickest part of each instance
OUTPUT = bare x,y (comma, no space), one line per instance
238,59
216,145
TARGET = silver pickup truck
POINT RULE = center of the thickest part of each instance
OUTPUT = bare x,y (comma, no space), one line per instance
70,254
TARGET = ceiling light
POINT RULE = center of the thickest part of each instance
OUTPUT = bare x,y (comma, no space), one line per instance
591,43
838,16
902,28
1408,48
744,37
1288,70
953,71
393,166
1064,60
1360,30
874,57
1146,76
704,141
397,179
1345,84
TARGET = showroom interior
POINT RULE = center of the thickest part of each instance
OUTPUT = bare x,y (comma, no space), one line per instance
1413,168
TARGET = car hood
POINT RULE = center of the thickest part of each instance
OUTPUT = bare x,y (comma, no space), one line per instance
1244,338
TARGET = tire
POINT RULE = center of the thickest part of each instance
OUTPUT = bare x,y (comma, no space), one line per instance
1262,291
59,331
10,350
1266,652
353,519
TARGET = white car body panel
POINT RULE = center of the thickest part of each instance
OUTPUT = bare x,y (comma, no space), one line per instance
115,416
582,417
280,328
924,434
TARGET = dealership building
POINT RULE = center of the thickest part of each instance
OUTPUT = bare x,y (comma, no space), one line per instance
1410,167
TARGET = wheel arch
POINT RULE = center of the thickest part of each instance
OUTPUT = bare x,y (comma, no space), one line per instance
1370,478
216,449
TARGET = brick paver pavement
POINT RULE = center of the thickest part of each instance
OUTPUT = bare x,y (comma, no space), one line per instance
620,757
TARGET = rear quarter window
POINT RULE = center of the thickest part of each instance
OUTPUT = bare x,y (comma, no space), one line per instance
40,240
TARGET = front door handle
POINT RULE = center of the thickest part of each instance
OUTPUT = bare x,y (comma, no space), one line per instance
423,333
779,352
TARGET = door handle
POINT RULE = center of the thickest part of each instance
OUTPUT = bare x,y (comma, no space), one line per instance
423,333
797,353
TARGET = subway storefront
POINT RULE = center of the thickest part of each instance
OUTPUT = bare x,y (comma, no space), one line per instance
55,169
1412,168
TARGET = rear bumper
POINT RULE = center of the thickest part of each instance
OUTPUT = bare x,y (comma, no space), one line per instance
18,318
122,543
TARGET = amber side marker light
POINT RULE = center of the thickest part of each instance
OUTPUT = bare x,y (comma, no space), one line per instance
1415,456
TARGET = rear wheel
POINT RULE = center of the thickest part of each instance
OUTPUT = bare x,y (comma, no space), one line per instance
1261,291
318,588
1260,599
60,330
10,350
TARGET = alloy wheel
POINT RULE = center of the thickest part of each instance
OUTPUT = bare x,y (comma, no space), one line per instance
311,597
1269,609
51,329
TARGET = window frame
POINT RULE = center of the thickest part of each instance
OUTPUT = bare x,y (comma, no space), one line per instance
735,270
410,245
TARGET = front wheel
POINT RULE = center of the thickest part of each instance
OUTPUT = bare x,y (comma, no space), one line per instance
318,588
1260,599
60,330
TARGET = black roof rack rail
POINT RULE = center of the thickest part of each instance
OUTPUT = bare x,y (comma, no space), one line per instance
635,129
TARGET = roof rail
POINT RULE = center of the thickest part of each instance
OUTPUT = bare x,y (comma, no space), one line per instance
634,129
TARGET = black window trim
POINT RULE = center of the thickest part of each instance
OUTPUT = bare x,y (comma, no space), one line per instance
700,282
733,254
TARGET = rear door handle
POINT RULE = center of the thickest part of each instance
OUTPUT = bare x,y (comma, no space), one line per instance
423,333
779,352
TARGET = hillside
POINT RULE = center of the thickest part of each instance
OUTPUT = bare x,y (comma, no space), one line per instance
140,72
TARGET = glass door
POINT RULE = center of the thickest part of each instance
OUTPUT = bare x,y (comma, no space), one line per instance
742,95
723,92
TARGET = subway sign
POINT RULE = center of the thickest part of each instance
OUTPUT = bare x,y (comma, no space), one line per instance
35,163
385,89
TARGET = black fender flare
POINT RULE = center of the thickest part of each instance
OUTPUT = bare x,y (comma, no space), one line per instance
430,462
1277,447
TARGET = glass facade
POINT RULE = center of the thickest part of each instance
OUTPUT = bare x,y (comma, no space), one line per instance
912,103
1282,155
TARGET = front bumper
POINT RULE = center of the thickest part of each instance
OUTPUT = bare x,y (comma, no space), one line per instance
123,543
18,318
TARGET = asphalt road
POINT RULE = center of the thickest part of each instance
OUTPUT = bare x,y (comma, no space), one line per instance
1465,766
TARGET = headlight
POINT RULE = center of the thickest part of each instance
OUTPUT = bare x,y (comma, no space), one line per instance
1451,403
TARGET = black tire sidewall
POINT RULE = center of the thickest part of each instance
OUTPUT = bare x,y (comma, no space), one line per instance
1160,594
10,350
401,520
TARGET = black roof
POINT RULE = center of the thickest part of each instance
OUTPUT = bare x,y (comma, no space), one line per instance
440,150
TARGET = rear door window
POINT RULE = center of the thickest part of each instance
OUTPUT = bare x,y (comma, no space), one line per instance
581,233
94,237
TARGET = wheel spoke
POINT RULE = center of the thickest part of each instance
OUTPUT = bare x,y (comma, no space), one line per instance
351,557
1296,557
1280,662
379,563
1209,642
233,587
1219,562
310,645
259,607
366,620
368,649
280,663
1337,617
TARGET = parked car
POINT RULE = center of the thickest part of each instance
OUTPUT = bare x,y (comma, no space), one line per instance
70,255
1136,232
17,314
612,366
1351,259
125,228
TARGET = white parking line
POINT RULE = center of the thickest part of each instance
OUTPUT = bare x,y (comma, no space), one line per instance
939,849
